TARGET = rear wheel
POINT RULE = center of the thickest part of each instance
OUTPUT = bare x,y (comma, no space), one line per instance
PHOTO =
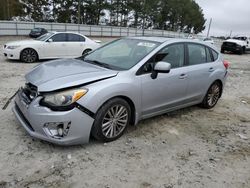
212,96
29,55
86,51
111,120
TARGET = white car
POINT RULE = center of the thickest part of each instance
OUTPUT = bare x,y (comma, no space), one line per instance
50,46
208,40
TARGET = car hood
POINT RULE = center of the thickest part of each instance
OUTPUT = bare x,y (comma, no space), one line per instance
64,73
23,42
236,41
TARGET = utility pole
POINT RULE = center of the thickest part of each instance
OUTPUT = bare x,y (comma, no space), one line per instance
143,21
79,11
209,27
230,33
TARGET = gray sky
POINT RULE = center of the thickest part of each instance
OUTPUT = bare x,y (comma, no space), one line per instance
227,15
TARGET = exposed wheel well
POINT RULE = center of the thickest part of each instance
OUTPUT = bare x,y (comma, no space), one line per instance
131,104
31,49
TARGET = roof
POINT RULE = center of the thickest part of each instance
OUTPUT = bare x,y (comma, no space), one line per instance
155,39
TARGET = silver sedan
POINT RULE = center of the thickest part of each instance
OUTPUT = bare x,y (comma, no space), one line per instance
130,79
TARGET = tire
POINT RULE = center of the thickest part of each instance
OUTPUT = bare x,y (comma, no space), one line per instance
212,96
222,51
241,51
29,55
244,50
86,51
111,120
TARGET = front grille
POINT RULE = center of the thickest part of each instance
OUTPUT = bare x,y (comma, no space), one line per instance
229,44
27,123
29,93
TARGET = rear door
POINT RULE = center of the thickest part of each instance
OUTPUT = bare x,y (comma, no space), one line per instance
75,45
200,66
57,48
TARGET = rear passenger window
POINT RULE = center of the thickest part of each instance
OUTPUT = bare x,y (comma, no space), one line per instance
209,57
215,55
196,54
75,38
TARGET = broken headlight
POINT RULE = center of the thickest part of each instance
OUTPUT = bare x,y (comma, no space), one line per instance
63,98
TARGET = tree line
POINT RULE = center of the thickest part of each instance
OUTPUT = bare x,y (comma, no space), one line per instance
175,15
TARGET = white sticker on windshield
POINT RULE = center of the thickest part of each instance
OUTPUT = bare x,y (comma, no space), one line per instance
146,44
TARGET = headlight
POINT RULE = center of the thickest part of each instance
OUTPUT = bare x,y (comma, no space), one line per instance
64,98
12,47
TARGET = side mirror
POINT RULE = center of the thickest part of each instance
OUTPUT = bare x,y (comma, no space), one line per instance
50,40
160,67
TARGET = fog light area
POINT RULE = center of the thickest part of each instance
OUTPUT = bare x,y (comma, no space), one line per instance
57,130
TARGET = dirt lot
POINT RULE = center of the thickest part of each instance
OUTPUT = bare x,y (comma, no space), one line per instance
192,147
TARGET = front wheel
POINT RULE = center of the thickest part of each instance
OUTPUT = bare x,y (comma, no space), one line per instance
241,51
111,120
29,55
212,96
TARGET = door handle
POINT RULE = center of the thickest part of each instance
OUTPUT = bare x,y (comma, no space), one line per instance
211,69
183,76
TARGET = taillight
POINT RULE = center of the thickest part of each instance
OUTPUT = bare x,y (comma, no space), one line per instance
226,64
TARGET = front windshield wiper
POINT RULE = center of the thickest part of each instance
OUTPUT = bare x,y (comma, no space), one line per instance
101,64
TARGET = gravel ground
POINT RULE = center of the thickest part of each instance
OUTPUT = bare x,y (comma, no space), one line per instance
191,147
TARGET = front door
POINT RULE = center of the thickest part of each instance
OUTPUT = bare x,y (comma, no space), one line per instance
56,47
168,90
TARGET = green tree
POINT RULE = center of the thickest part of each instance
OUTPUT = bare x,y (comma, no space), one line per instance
93,10
37,10
10,9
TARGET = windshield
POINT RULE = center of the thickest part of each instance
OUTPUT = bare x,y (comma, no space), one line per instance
121,54
36,30
44,37
240,38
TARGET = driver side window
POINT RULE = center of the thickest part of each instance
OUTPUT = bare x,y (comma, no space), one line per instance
173,54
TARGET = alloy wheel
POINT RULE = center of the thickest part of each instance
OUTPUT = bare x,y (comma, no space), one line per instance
213,95
29,56
115,121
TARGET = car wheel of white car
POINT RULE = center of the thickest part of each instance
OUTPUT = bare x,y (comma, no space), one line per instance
212,96
86,51
29,55
111,120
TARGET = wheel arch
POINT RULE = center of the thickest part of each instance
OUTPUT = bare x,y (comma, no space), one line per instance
131,104
221,85
26,49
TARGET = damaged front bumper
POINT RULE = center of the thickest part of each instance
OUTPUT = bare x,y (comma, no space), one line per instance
58,127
